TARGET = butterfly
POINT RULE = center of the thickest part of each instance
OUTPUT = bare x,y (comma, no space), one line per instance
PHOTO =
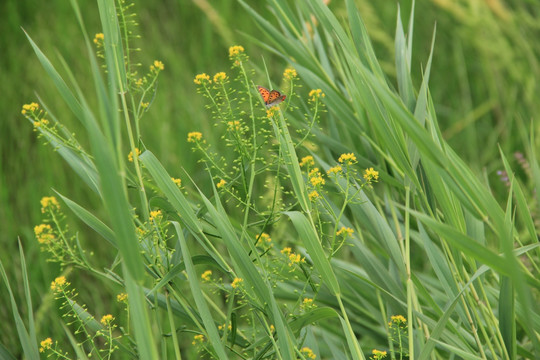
270,98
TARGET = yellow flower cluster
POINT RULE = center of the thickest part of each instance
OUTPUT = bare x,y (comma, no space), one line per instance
264,238
59,283
348,159
42,122
206,275
293,258
315,177
316,94
44,233
197,339
222,327
130,155
220,77
334,170
235,50
202,79
144,105
378,354
99,38
308,353
314,195
157,66
122,297
106,319
194,136
236,282
307,161
178,182
345,231
290,74
271,112
398,320
221,184
32,107
371,175
234,125
49,203
155,215
45,345
307,304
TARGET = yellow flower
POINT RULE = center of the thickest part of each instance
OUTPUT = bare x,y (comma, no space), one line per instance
295,259
220,77
290,74
107,319
44,233
130,155
43,122
221,184
155,215
271,112
272,328
59,283
334,170
235,50
307,161
197,339
236,282
49,203
314,195
371,175
307,304
158,65
194,136
139,82
316,94
98,38
264,238
206,275
315,178
286,251
32,107
221,327
178,182
202,79
144,105
346,231
308,353
234,125
378,354
348,159
122,297
45,345
398,320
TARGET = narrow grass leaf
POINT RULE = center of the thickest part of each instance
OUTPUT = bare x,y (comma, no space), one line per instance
29,345
79,352
90,219
200,302
351,341
311,241
251,275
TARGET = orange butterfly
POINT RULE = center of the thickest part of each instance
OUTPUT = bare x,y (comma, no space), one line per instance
271,98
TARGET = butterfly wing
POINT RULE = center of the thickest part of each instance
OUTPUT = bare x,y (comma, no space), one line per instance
265,93
275,98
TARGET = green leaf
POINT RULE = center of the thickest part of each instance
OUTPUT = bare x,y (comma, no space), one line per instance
198,296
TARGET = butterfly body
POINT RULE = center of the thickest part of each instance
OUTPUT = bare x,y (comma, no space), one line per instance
270,98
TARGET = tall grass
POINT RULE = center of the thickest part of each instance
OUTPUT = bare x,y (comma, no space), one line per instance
429,262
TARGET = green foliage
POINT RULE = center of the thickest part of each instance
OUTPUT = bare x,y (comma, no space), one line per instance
353,218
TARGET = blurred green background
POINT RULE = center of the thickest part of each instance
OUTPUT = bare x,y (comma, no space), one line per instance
484,82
